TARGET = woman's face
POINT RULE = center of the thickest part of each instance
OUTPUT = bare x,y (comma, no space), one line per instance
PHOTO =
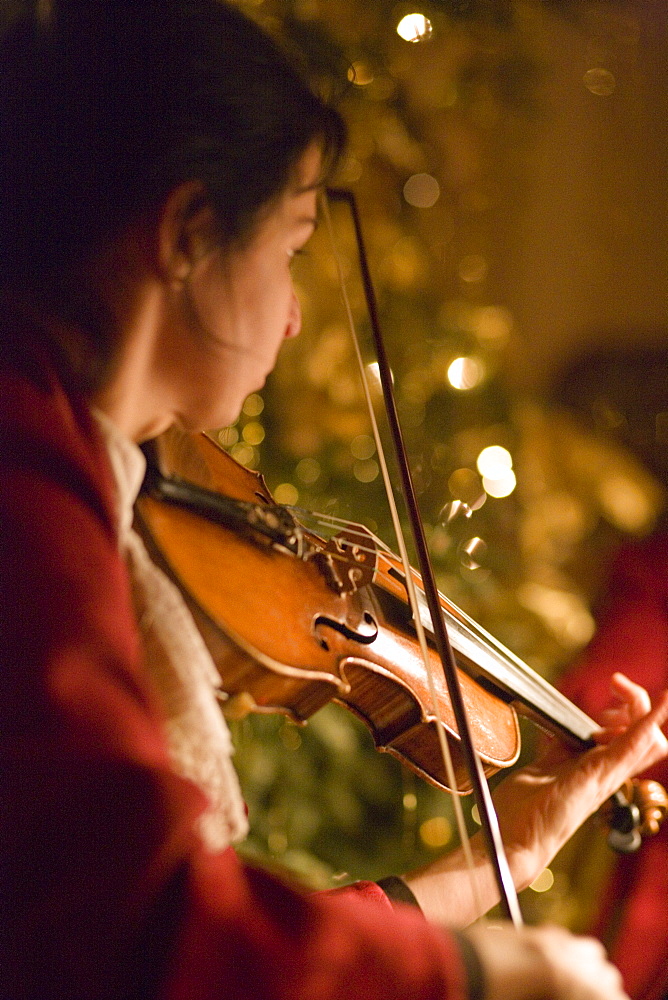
237,308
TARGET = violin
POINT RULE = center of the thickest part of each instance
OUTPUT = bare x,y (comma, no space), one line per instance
294,621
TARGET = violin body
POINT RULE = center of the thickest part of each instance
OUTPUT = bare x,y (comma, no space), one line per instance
293,621
285,637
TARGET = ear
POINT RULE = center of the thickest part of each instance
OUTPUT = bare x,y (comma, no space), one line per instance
186,230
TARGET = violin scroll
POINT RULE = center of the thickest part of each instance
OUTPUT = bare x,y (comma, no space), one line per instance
637,810
652,801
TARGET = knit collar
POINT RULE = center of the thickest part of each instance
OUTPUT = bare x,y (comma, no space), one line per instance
128,465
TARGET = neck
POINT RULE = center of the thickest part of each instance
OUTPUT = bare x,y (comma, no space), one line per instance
133,397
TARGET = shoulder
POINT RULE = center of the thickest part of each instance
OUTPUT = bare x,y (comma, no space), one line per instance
47,434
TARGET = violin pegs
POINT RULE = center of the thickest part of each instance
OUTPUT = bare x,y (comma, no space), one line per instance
652,801
622,815
637,810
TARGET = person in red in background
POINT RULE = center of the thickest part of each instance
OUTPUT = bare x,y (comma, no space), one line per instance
622,393
632,636
159,169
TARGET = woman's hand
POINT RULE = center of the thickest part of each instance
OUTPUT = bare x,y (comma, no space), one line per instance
540,806
543,963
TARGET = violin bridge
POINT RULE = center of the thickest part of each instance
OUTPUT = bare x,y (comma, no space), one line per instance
348,561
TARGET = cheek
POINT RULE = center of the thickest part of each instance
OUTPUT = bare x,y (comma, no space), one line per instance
251,305
273,307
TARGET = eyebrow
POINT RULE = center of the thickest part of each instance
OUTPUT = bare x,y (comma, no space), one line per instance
315,186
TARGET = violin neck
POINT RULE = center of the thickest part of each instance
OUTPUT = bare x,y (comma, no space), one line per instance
486,660
272,523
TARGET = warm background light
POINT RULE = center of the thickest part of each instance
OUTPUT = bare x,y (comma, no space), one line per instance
414,28
511,179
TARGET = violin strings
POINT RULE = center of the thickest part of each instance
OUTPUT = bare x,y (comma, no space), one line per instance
353,528
331,521
363,533
360,532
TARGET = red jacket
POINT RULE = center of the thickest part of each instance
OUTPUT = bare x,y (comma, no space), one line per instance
105,888
632,636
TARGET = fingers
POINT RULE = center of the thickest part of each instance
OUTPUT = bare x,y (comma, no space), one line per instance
642,744
634,704
635,697
580,968
541,805
631,702
535,962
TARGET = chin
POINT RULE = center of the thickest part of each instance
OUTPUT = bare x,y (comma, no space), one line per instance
221,412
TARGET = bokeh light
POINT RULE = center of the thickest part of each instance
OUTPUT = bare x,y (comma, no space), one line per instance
544,882
494,461
492,324
253,433
472,553
286,493
228,436
495,465
436,832
308,471
600,82
473,268
360,74
465,373
244,454
254,405
454,511
363,447
501,487
366,471
422,191
626,504
465,485
415,28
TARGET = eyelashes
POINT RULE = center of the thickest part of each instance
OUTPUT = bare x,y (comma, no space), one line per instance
299,252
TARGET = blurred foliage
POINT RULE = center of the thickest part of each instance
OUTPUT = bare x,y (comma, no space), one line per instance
460,107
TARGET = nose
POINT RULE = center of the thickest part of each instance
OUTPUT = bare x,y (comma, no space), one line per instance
294,318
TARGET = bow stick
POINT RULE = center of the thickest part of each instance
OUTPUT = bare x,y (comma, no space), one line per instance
489,820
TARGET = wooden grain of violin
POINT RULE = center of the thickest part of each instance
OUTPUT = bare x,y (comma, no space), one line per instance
294,621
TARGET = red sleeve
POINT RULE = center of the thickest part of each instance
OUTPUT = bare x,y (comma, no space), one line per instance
632,636
106,890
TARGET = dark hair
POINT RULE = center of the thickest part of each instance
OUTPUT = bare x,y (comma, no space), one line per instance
106,105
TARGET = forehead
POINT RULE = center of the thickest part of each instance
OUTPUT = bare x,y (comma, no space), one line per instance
297,206
309,170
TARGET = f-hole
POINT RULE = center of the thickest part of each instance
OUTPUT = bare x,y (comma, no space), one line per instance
366,633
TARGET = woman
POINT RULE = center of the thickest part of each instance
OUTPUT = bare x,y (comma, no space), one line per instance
160,167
